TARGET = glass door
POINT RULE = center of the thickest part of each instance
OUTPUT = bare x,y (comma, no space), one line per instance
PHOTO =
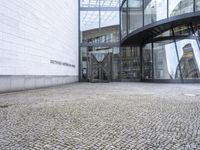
100,66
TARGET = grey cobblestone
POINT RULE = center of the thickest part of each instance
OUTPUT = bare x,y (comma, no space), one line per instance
114,116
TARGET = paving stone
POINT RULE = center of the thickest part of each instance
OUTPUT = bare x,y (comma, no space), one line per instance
113,116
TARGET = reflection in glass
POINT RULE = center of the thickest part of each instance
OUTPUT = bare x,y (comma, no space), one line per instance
178,7
165,34
130,63
89,20
108,34
135,14
154,10
147,62
83,67
116,63
182,30
109,18
99,53
197,4
189,56
124,20
196,28
98,25
165,60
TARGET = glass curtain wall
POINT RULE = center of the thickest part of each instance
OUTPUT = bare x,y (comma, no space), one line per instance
197,5
130,63
154,10
99,21
179,7
165,60
124,20
99,31
135,14
173,57
189,58
147,63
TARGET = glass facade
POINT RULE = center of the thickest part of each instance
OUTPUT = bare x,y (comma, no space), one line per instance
172,54
175,56
99,21
165,60
154,10
197,5
138,13
124,20
179,7
189,58
99,36
147,67
135,12
130,63
108,34
86,51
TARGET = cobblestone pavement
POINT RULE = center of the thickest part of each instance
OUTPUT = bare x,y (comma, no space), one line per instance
110,116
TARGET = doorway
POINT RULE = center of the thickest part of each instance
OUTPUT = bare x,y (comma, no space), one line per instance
100,66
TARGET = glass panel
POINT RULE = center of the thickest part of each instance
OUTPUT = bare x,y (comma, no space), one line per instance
135,14
165,60
108,34
178,7
116,63
182,30
189,56
196,28
126,67
147,62
136,63
165,34
89,21
97,24
124,20
99,53
84,69
109,18
154,10
197,5
130,63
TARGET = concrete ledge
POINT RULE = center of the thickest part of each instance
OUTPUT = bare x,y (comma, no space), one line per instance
17,83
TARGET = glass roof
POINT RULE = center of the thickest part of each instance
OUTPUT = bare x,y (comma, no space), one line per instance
90,19
95,19
103,3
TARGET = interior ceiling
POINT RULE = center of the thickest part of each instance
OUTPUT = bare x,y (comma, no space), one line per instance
90,19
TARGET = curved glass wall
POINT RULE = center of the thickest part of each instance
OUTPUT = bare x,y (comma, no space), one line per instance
147,70
138,13
197,5
165,60
154,10
173,56
189,58
130,60
135,15
178,7
124,20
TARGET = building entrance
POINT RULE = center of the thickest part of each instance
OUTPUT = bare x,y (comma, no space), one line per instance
100,66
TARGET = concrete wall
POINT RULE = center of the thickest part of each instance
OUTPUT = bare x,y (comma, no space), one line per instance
38,43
